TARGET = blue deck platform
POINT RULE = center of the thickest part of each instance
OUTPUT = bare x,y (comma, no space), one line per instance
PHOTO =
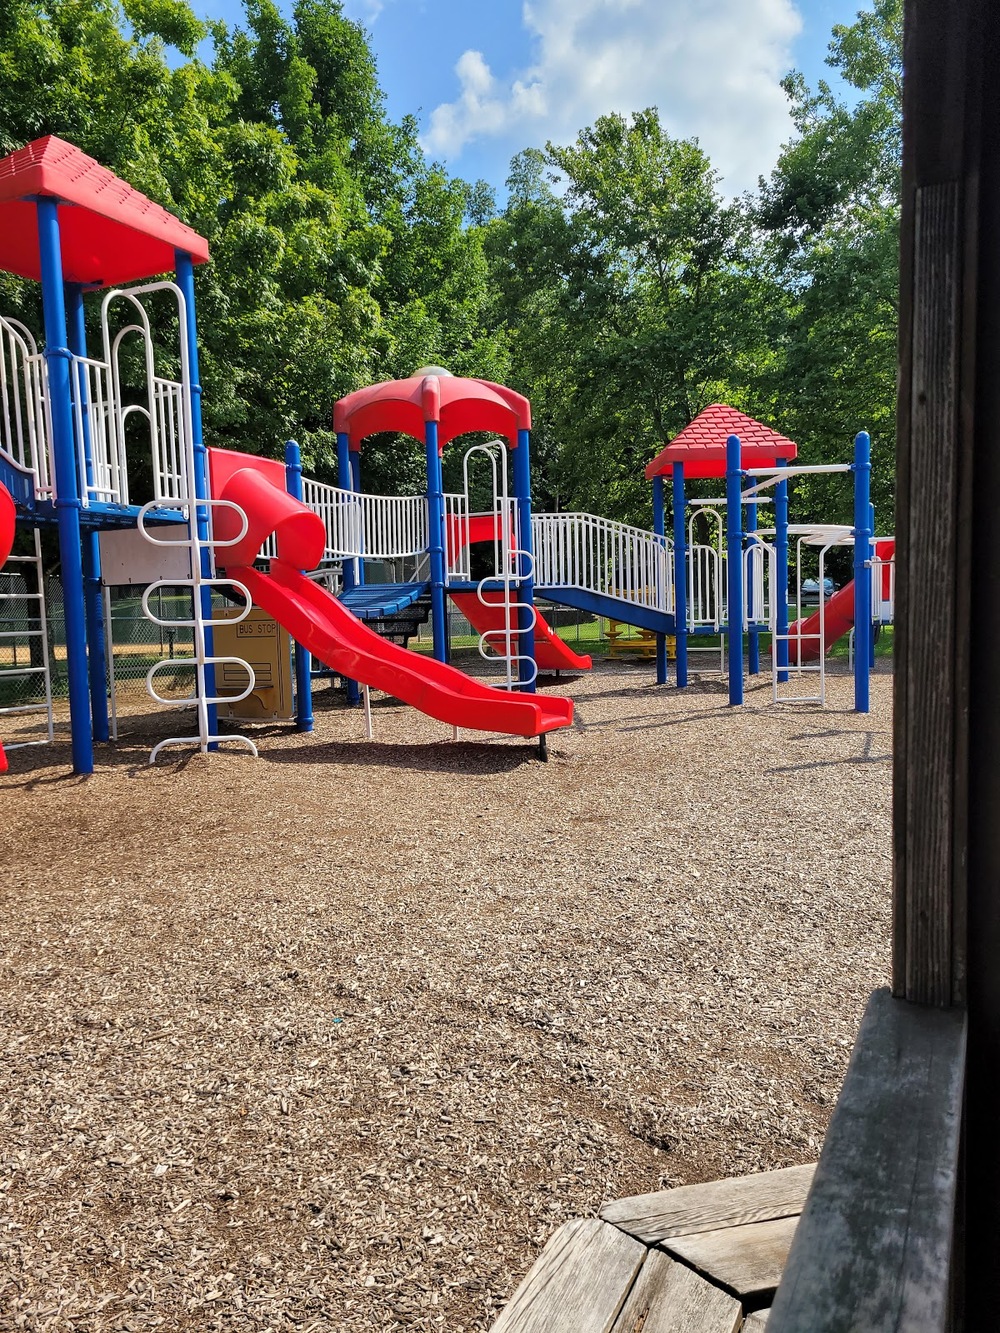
380,601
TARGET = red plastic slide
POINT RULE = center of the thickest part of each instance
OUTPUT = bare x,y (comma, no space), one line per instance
8,517
323,625
551,652
838,615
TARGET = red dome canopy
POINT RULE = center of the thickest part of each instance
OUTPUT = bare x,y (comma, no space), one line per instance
457,405
111,235
701,445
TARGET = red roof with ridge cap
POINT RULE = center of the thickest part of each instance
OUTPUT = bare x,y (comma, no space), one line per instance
701,445
112,234
457,405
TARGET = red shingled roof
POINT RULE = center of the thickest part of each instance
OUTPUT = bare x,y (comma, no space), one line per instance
113,234
701,445
458,405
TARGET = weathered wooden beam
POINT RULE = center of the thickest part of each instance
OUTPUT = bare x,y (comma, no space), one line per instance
874,1242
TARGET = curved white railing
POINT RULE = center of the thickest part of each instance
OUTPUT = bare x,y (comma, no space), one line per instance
376,527
24,419
599,555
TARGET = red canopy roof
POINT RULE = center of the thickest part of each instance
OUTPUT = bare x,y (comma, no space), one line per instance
701,445
457,405
113,234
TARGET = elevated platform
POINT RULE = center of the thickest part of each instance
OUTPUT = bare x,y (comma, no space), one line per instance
382,601
698,1259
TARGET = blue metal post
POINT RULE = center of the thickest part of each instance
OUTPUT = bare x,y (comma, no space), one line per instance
680,577
435,541
345,480
184,268
660,528
781,572
93,600
355,462
57,357
526,566
303,677
862,571
752,611
734,562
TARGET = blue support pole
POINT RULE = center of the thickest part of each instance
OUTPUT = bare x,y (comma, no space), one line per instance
660,529
680,577
781,573
862,571
92,598
345,481
57,357
355,462
526,590
435,540
303,676
734,562
184,269
752,610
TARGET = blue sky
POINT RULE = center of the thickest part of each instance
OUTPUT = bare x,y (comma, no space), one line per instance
487,79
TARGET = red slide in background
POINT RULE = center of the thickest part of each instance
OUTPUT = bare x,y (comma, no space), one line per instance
551,652
8,520
838,615
322,624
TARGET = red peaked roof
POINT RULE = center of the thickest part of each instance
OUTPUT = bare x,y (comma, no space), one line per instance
701,445
457,405
113,234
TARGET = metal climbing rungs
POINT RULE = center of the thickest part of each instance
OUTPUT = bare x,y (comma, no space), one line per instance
11,639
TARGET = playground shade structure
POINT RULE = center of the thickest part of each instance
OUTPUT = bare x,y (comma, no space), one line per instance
317,620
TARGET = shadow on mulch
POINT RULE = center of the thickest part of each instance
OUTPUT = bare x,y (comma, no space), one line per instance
439,757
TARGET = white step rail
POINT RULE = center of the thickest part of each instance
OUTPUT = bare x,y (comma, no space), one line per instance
24,406
601,556
39,663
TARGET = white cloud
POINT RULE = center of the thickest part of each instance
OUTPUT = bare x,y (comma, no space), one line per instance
711,66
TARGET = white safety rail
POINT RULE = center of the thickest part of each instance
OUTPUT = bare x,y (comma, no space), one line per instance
758,579
824,536
458,560
38,666
100,442
601,556
24,419
374,527
883,586
706,572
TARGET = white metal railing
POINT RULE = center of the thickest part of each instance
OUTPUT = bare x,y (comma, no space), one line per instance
100,443
758,578
601,556
24,406
38,665
374,527
883,588
458,560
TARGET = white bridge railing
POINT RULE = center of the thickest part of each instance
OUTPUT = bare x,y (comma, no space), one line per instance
598,555
375,527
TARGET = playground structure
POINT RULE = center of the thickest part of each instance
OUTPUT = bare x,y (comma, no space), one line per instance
83,451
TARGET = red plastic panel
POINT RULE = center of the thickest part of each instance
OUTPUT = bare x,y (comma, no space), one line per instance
701,445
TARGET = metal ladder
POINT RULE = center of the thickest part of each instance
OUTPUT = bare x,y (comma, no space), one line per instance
36,616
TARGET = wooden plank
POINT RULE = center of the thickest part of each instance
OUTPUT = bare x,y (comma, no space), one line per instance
748,1260
873,1246
578,1283
669,1298
756,1322
654,1218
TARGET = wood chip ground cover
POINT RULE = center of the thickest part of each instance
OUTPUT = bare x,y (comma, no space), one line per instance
336,1039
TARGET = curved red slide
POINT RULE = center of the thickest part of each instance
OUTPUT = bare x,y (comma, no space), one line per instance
8,521
838,616
551,652
322,624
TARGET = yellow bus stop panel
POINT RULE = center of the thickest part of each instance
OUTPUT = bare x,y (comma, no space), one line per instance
262,642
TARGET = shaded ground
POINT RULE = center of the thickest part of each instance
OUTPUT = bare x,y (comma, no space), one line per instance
335,1040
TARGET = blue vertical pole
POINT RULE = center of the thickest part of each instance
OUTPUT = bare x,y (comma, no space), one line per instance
435,541
184,268
862,571
355,462
93,601
345,481
734,562
526,590
752,610
67,483
303,677
660,529
680,577
781,573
